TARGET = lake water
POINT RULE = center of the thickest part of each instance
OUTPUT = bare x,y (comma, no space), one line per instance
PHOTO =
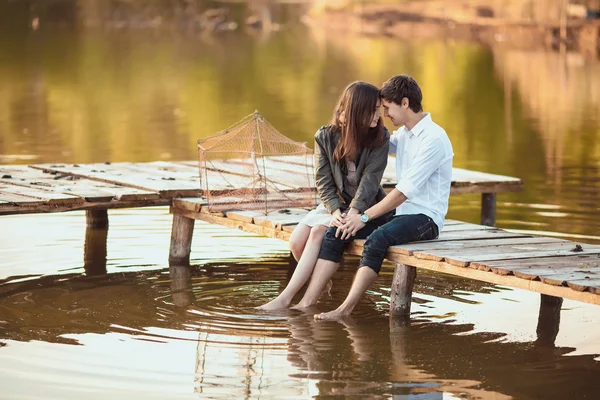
69,330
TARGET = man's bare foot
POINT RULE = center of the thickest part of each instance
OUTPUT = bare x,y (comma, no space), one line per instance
333,315
276,304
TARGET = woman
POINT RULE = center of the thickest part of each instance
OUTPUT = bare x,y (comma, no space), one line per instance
350,158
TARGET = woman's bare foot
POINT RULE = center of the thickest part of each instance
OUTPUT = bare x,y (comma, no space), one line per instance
302,306
334,315
276,304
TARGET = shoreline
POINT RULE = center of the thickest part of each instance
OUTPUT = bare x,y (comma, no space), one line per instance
410,20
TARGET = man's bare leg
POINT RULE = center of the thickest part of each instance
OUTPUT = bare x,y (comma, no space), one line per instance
322,273
365,276
302,272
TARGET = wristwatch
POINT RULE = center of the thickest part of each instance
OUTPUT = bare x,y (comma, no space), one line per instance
364,218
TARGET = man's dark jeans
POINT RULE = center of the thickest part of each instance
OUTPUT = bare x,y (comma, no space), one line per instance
401,229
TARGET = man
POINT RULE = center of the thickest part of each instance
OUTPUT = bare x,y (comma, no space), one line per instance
424,171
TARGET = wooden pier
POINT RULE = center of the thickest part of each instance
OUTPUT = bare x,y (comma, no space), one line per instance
549,266
44,188
555,268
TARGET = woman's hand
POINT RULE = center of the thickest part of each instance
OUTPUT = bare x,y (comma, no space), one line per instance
337,218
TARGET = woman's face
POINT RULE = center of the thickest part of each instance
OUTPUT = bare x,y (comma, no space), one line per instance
376,115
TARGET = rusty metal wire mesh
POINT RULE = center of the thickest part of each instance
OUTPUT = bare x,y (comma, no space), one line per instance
251,166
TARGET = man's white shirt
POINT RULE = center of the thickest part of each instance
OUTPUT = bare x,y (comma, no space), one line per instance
424,169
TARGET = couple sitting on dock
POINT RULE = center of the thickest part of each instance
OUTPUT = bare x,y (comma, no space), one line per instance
350,158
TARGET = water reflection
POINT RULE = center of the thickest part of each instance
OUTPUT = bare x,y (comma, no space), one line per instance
92,96
208,309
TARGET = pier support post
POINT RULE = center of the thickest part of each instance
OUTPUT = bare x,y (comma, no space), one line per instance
488,209
181,285
402,285
548,320
94,251
96,218
181,240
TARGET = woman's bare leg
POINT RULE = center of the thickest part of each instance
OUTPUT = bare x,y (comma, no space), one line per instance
304,269
298,240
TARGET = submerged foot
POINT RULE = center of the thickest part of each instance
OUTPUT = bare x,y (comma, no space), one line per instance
276,304
333,315
303,305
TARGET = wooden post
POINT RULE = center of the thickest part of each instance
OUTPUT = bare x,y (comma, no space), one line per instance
402,285
181,240
181,285
94,251
96,218
488,209
548,320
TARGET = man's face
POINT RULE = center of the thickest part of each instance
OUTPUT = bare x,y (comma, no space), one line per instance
395,112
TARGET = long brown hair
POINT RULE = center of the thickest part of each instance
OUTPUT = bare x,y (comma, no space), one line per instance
358,104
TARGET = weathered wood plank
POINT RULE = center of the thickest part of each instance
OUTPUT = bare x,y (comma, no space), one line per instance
190,203
244,216
563,278
592,285
466,256
505,267
37,206
11,200
433,246
477,234
277,219
44,196
465,226
243,226
107,173
289,228
510,281
59,183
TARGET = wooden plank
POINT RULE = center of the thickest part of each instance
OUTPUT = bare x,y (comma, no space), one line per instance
477,235
465,256
58,183
230,223
289,228
244,216
466,227
433,246
565,276
16,200
106,173
190,203
465,176
591,285
47,197
505,267
510,281
39,207
279,218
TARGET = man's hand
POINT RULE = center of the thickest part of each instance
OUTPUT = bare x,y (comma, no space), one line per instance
337,218
350,226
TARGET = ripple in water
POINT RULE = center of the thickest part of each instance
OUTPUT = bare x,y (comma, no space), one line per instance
185,332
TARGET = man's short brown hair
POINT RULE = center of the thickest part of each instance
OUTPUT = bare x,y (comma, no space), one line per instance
400,86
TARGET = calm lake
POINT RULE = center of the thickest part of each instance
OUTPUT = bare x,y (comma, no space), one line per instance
70,331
